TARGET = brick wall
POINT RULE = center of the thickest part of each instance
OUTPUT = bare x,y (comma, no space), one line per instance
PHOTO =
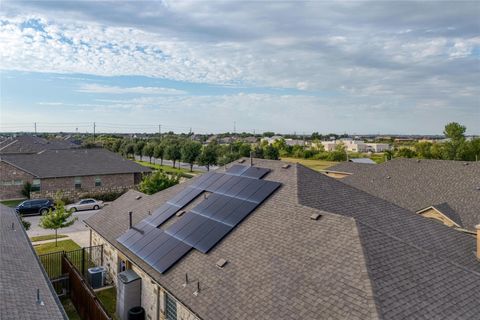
11,181
66,185
153,294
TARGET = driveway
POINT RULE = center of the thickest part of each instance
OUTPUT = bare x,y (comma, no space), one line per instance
78,232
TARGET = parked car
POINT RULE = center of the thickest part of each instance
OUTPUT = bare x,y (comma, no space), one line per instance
37,206
85,204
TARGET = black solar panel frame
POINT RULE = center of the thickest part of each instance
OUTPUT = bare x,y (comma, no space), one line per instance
255,172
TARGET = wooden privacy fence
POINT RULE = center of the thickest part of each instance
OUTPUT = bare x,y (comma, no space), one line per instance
83,298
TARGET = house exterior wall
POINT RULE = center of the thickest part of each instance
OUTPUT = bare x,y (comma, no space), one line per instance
153,294
378,147
12,180
109,183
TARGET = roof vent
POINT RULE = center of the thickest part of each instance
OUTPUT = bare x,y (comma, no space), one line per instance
198,289
180,213
466,163
186,280
138,197
315,216
286,166
388,177
241,161
39,301
221,263
418,160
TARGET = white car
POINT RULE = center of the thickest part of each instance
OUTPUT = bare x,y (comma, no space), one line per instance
85,204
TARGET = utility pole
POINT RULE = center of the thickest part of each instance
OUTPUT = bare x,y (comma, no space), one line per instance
160,130
35,125
94,127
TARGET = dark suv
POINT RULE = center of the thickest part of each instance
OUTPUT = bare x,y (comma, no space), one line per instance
38,206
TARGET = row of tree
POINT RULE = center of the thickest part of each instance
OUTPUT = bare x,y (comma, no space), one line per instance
457,147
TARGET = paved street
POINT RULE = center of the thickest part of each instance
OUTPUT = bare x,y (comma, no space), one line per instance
182,164
77,232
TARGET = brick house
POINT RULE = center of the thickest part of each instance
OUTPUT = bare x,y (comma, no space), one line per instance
74,172
316,248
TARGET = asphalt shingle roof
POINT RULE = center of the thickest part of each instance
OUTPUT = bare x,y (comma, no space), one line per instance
417,184
73,162
21,275
365,258
32,144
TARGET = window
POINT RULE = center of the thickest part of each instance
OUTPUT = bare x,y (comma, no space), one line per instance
78,182
98,182
171,307
18,182
36,185
123,264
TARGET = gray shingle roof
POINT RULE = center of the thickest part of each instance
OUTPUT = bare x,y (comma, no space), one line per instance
283,265
32,144
73,162
418,184
21,275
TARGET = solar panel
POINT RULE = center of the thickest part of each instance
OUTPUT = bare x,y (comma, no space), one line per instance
255,172
234,196
184,197
236,169
162,214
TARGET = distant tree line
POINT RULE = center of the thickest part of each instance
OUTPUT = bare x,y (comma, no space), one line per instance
457,147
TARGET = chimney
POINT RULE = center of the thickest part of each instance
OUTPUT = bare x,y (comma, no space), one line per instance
130,219
478,240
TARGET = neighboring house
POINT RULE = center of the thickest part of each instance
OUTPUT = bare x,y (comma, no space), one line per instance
22,275
288,141
446,190
377,147
72,171
315,248
32,144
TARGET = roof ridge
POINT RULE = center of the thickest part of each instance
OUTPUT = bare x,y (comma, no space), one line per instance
418,248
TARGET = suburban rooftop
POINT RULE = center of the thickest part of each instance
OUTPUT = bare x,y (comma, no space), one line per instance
32,144
416,184
73,162
364,258
22,275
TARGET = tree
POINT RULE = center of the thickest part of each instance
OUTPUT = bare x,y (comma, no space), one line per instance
149,150
190,152
159,152
405,153
456,133
209,155
338,154
58,218
157,181
173,152
388,154
424,149
270,152
139,149
129,149
26,189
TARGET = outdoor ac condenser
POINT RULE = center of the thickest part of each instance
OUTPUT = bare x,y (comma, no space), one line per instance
129,292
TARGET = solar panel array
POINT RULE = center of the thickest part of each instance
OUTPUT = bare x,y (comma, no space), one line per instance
234,195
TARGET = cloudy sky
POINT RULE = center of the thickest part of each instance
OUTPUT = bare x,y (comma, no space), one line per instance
326,66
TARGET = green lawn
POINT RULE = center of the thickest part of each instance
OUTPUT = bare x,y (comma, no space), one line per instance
70,309
65,245
11,203
47,237
313,164
168,169
108,298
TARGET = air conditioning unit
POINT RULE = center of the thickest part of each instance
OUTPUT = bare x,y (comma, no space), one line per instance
96,277
129,292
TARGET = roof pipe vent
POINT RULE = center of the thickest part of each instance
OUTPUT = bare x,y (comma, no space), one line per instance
198,289
186,280
130,219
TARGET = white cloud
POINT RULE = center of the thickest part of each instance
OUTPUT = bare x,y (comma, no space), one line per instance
96,88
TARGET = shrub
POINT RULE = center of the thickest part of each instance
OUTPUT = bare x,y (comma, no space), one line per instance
106,197
157,181
27,188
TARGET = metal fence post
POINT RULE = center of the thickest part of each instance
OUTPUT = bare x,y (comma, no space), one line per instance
83,261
